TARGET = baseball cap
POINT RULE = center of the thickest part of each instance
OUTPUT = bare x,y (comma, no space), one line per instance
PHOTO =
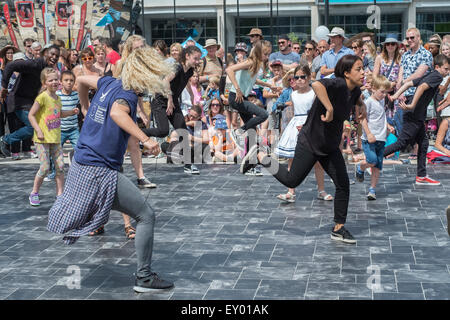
241,46
276,63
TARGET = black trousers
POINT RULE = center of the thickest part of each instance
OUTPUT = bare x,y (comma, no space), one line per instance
304,160
413,132
161,119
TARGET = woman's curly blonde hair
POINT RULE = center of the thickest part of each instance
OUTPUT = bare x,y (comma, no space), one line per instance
143,71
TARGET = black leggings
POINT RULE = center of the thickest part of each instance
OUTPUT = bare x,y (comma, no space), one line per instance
162,120
251,114
304,160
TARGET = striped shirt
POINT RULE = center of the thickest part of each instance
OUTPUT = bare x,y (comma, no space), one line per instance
69,102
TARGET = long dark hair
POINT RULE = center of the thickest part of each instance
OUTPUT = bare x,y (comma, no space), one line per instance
345,64
188,51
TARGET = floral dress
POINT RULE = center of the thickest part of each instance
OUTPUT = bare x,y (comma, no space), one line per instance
393,76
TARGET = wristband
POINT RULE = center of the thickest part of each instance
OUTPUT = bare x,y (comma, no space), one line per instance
207,78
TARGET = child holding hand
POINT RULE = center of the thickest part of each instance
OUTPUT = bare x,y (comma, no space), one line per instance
45,117
375,128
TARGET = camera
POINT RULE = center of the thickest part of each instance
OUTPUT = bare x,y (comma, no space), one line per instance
278,111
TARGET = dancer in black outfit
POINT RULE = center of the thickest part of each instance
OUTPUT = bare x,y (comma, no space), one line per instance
320,137
168,109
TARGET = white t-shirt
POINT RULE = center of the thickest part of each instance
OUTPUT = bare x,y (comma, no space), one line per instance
376,119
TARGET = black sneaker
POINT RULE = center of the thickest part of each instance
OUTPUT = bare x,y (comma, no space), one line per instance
238,137
151,284
4,148
145,183
248,162
342,235
359,175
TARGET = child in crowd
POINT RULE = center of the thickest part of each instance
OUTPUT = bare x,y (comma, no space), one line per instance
302,99
212,91
374,134
45,117
69,125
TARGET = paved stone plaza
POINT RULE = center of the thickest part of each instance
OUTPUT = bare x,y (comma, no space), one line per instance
222,235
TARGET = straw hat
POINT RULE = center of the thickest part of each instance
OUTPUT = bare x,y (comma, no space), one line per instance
211,42
3,51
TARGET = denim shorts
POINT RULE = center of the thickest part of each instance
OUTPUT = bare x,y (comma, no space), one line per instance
374,152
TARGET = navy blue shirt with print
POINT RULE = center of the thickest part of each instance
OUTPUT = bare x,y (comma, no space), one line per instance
102,142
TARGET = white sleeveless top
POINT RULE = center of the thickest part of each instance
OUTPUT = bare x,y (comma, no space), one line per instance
302,104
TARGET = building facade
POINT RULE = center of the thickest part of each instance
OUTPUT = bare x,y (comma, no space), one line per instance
202,19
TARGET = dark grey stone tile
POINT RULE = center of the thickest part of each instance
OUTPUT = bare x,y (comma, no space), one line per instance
230,294
398,296
25,294
436,291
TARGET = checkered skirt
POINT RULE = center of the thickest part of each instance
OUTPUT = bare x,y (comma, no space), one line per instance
86,202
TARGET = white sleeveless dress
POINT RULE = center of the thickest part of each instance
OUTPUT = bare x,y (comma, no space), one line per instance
288,141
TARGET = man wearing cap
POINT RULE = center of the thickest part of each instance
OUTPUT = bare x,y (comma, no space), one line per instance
24,92
255,35
332,56
288,58
210,65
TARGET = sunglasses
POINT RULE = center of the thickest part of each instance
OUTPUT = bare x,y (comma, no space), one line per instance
300,77
281,42
355,47
215,105
87,58
391,44
309,49
254,35
409,38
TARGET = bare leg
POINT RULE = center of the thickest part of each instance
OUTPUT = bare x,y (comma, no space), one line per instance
59,179
37,183
136,157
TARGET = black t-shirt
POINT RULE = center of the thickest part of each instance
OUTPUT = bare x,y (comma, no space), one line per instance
433,80
323,138
177,86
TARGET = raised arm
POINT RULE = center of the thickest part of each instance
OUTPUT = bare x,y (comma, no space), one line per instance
83,84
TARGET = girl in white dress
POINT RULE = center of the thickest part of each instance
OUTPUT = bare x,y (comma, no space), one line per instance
302,98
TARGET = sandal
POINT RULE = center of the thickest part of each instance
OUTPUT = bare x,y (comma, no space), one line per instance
322,195
288,197
130,232
97,232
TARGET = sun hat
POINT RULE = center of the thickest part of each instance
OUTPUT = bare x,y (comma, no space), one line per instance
336,31
6,48
255,31
211,42
390,38
221,122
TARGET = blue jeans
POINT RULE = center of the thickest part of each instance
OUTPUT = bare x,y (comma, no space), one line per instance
26,132
374,153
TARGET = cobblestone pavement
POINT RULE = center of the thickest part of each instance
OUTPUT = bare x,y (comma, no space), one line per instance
222,235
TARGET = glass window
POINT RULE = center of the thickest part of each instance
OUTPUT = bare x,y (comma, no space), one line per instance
199,29
431,23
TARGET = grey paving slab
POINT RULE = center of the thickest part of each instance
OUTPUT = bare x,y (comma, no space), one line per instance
225,236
